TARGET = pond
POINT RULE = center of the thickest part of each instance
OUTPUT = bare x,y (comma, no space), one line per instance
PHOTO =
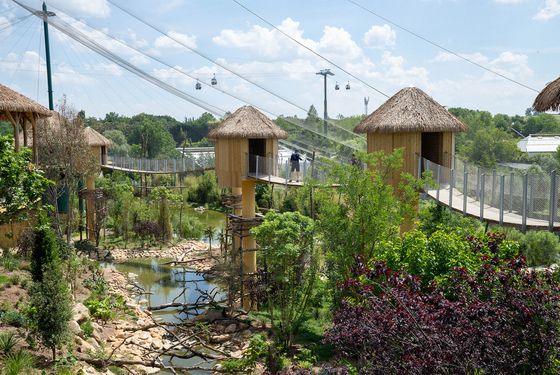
166,284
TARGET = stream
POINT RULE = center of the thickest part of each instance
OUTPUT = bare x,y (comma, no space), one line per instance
164,283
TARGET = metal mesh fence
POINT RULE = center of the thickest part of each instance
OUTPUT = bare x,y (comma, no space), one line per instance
499,191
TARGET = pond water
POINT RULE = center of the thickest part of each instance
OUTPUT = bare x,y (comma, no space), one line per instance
209,218
166,284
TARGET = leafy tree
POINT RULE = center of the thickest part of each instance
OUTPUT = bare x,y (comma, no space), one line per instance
66,157
164,197
45,247
21,185
292,264
120,146
51,308
364,211
152,136
542,123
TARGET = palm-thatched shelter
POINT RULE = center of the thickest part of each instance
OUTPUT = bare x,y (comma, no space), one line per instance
20,111
98,144
245,132
414,121
549,98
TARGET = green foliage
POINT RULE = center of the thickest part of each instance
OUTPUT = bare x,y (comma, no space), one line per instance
257,350
151,134
45,247
192,228
13,318
434,256
87,329
207,190
119,146
51,308
541,248
164,197
105,308
292,263
17,362
8,340
21,185
433,217
363,211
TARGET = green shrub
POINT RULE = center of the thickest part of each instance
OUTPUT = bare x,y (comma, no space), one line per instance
192,228
258,349
51,308
433,257
17,362
13,318
9,262
7,342
45,247
541,248
87,329
105,308
14,279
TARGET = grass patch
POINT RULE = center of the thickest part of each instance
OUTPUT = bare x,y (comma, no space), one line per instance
4,279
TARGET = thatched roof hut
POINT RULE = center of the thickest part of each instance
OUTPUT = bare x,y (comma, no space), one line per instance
14,102
410,110
247,122
412,120
20,111
549,98
244,140
94,138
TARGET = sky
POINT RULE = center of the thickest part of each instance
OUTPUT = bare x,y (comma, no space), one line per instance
515,38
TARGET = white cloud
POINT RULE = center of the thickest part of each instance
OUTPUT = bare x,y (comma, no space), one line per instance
380,36
268,43
510,64
5,25
65,74
550,10
27,61
84,8
168,41
337,42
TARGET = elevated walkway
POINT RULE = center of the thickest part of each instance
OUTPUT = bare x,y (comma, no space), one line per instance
523,200
159,166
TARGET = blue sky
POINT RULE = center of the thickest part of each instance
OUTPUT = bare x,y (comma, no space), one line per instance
517,38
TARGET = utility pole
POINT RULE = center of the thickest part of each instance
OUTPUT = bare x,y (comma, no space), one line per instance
366,101
325,73
45,14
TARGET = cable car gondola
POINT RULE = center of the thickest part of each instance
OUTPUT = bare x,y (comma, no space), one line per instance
336,86
214,81
348,86
198,86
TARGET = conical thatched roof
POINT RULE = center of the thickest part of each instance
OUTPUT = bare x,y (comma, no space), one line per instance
12,101
410,110
94,138
247,122
549,97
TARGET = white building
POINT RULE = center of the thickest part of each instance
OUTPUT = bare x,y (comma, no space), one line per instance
539,144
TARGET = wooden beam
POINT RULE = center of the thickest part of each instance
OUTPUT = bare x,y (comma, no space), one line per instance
35,143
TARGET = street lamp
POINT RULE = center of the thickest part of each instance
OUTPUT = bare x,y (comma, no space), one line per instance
325,73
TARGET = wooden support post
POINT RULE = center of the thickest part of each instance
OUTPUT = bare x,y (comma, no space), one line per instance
249,257
90,208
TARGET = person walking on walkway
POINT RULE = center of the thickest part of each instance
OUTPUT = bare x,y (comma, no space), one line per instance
294,161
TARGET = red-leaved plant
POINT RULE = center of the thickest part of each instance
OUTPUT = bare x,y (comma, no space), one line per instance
502,319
